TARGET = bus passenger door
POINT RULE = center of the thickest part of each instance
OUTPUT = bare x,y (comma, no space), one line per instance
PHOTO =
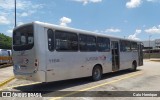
115,55
140,54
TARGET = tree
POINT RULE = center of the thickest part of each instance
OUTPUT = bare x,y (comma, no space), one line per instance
5,42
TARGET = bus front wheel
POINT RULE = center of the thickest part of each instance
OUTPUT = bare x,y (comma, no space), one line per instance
96,73
134,66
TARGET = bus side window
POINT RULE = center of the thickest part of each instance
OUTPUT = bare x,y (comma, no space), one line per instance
125,46
87,43
122,46
66,41
50,39
82,42
134,46
91,43
103,44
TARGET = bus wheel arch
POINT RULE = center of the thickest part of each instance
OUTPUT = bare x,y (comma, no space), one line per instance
97,72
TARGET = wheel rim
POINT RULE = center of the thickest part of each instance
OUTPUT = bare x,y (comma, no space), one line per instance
96,73
133,66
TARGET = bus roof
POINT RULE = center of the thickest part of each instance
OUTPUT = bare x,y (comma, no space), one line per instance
58,27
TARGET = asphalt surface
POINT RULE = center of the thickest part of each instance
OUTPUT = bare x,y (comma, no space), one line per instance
146,78
6,73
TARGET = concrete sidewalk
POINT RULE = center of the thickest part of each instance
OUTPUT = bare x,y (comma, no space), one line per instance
6,74
155,59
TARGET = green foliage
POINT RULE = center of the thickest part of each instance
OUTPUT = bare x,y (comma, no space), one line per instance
5,42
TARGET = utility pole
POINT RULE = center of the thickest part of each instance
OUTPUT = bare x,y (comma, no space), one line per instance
15,14
149,46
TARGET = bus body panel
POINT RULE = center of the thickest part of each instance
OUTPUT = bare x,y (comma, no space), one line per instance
67,65
126,60
40,47
106,63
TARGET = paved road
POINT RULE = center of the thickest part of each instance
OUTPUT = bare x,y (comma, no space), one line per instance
146,78
6,73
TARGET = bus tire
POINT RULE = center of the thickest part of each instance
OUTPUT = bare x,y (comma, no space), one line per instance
96,73
134,66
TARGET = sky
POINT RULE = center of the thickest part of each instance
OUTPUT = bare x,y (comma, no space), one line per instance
133,19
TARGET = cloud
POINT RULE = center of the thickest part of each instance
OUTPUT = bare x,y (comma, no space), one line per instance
64,21
153,0
96,31
133,3
4,20
88,1
20,23
134,36
27,13
9,4
108,31
138,31
9,32
24,14
112,30
153,30
21,4
26,8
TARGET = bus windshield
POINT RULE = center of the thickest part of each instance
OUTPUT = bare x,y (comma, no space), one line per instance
23,38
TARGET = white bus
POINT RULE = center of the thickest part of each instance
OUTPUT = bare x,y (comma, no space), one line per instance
44,52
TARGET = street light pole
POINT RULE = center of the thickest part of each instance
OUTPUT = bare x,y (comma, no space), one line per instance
149,46
15,14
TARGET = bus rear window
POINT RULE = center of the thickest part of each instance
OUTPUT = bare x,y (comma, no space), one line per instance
23,38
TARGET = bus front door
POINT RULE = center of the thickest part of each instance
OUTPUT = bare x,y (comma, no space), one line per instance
115,55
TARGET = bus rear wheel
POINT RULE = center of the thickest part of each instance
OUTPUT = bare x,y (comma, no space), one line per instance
96,73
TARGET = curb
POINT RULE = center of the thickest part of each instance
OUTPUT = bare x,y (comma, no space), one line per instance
7,81
155,60
6,65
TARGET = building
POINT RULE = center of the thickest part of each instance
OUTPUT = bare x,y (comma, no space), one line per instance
157,43
152,46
